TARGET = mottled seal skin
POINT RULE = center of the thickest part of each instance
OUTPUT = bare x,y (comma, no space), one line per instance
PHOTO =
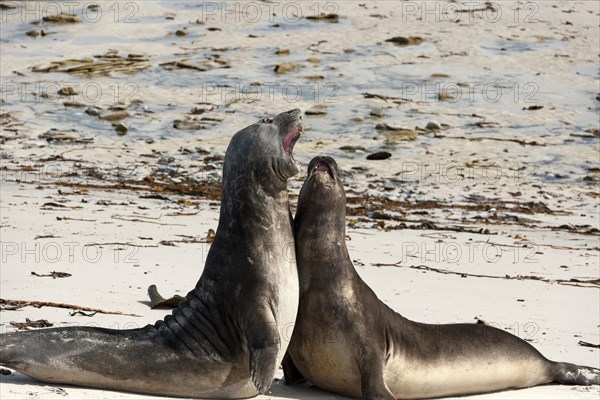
347,341
227,339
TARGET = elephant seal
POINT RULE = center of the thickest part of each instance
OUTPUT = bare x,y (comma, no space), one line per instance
226,339
347,341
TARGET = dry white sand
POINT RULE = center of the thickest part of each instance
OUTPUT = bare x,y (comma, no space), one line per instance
553,317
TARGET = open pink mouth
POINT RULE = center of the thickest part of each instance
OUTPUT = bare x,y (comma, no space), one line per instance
323,168
291,138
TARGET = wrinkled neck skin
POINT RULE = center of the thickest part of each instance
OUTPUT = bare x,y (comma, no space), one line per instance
253,200
255,212
320,232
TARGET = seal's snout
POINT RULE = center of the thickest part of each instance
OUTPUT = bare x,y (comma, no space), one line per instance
322,165
290,128
295,113
323,168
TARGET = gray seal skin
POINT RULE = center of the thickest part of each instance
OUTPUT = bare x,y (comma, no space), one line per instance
347,341
228,337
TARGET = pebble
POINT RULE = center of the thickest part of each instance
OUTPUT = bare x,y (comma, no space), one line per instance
331,17
284,68
121,129
67,91
166,170
282,52
390,127
165,160
433,126
315,112
353,149
62,18
188,124
113,116
406,41
593,131
403,135
445,96
380,155
94,111
74,104
377,112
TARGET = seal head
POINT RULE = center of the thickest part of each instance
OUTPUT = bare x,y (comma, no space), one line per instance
263,151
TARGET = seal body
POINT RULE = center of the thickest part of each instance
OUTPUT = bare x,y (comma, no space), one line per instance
347,341
226,339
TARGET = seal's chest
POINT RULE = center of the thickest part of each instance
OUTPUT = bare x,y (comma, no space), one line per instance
287,307
330,364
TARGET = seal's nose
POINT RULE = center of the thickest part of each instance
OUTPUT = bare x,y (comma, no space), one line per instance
295,113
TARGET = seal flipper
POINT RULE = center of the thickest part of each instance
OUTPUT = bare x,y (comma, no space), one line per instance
264,347
261,362
291,373
571,374
371,375
49,356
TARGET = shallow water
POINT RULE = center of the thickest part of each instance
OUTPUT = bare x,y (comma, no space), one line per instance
351,63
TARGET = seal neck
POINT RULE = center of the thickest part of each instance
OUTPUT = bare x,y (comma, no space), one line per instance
321,252
247,201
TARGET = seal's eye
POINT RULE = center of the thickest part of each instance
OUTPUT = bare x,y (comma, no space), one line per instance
266,120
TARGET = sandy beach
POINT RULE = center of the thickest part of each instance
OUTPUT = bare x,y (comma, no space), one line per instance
467,132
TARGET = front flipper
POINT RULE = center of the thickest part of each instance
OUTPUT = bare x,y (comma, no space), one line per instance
261,367
372,383
264,344
290,372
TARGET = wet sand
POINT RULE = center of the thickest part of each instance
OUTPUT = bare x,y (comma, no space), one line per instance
494,216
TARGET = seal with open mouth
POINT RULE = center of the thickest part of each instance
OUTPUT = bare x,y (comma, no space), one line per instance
347,341
226,339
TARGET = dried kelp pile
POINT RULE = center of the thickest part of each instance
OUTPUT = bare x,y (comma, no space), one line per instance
98,65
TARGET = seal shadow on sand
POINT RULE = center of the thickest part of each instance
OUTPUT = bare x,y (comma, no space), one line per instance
279,389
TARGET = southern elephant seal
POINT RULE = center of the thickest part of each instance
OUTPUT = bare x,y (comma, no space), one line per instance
226,339
347,341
